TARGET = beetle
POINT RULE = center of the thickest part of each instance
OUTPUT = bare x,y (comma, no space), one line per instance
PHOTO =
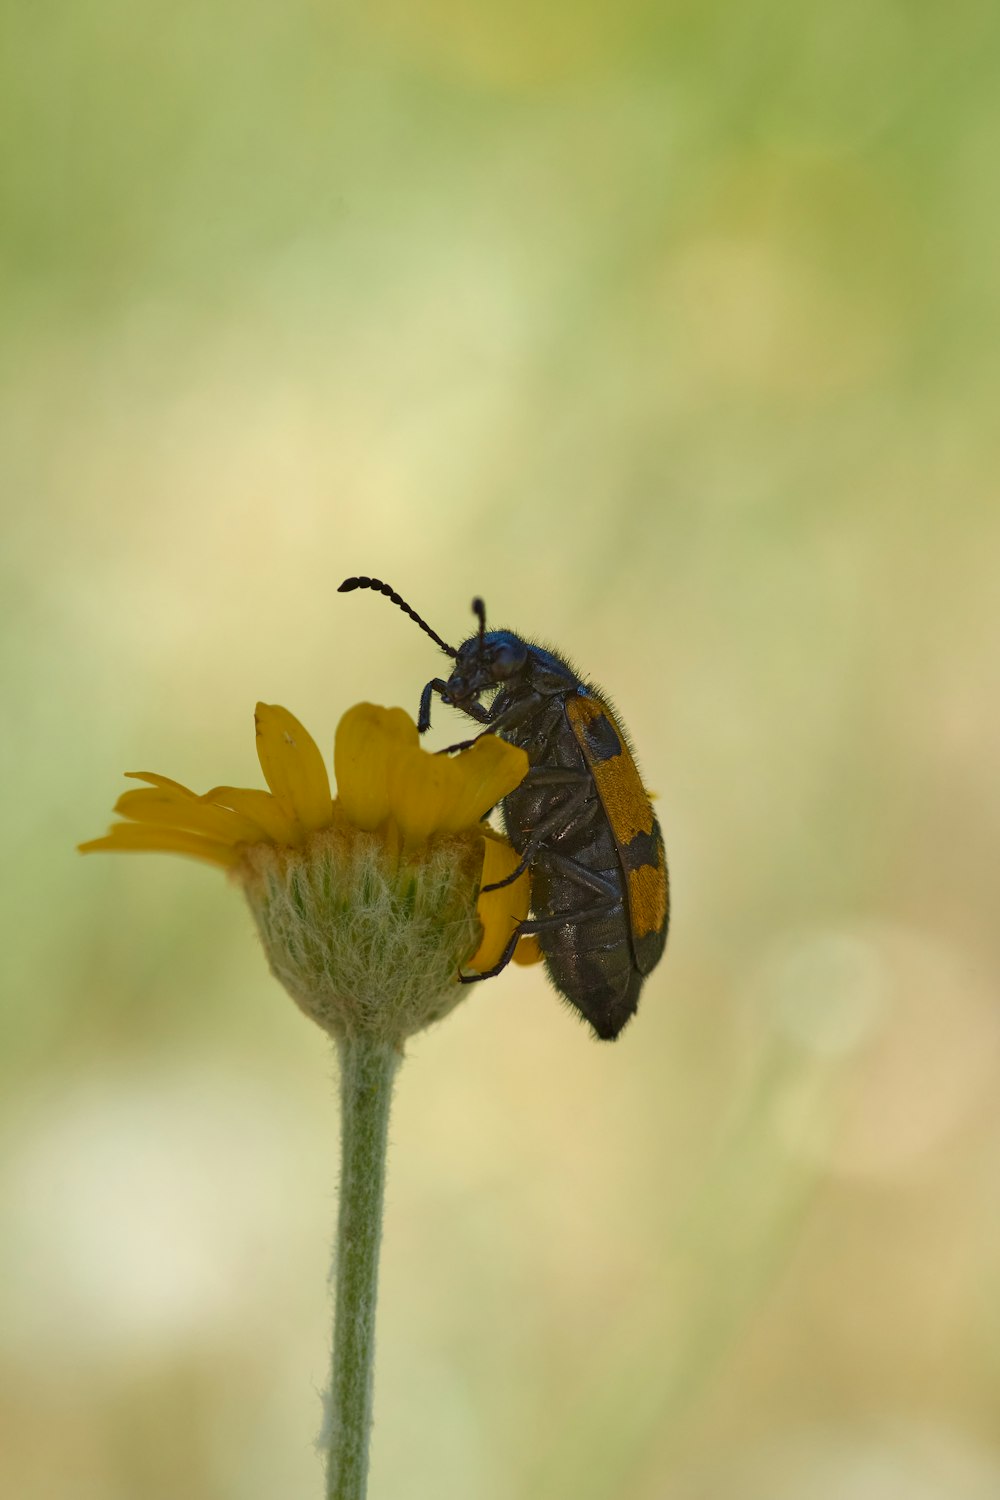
581,819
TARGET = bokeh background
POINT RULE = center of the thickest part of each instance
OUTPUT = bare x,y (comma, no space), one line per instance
672,329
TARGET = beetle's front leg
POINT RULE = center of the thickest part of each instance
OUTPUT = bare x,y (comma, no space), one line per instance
438,685
495,723
482,716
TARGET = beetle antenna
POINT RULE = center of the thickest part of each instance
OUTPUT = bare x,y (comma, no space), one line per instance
350,584
479,610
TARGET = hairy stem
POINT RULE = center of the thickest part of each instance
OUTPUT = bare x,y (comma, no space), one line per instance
367,1069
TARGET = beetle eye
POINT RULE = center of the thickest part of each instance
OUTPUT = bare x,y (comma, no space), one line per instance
508,659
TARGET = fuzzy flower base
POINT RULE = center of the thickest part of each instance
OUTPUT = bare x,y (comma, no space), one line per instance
365,943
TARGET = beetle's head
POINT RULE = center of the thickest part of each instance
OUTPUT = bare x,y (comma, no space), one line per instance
486,660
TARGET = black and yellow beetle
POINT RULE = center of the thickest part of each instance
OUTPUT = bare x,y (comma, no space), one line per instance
581,819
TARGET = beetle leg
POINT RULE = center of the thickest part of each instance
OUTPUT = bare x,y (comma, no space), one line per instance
462,744
436,685
506,720
535,925
501,963
556,776
474,710
512,715
589,879
530,929
569,807
498,885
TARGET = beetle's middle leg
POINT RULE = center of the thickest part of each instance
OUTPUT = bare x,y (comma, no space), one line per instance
579,801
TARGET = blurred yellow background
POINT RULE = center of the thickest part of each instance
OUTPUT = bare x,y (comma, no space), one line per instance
673,331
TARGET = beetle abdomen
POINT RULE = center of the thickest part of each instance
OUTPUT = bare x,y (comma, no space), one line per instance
588,955
591,964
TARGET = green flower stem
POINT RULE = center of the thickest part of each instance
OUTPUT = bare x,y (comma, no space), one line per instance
367,1070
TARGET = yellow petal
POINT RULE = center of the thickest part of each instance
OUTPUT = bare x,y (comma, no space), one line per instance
423,791
368,740
267,811
293,766
484,774
528,950
499,911
170,809
136,837
431,794
163,782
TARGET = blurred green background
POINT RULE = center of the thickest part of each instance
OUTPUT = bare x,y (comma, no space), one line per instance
673,330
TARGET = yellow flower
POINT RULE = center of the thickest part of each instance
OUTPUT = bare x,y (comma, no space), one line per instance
368,904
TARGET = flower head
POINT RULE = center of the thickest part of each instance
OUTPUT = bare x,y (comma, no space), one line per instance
368,904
